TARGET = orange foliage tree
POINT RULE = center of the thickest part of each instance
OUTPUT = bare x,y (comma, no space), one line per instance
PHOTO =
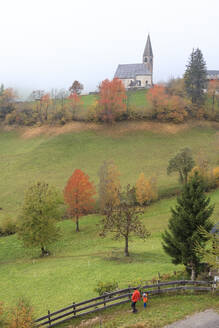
22,315
75,101
167,107
146,190
112,100
78,195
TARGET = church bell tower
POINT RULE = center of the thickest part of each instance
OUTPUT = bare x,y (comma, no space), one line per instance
148,55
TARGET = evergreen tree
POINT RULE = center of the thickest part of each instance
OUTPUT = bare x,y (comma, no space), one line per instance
191,212
195,77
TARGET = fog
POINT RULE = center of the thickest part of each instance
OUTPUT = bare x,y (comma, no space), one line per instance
49,44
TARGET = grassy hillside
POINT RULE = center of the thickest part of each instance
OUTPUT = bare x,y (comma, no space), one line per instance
80,260
135,99
27,155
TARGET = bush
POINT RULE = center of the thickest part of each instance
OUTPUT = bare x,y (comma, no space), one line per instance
105,287
216,175
7,227
22,315
2,316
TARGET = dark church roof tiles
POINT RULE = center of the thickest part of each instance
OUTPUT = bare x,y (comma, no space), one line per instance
130,71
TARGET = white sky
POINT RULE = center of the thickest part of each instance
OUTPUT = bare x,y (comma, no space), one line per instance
50,43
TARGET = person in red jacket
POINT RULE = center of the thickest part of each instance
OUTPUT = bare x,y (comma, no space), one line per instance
136,296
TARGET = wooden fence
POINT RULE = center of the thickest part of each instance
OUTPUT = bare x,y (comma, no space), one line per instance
76,310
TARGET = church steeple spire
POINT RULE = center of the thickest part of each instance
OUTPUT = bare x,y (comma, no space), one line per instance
148,55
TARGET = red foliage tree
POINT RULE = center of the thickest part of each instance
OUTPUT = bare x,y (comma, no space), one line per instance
167,107
78,195
112,99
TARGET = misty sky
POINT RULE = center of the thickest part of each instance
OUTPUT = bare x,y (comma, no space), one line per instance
50,43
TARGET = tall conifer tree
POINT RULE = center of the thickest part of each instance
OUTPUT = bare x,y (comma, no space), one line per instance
195,77
191,212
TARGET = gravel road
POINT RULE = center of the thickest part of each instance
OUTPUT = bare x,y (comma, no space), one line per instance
206,319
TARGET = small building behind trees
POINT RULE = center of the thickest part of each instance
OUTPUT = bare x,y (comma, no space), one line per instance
212,75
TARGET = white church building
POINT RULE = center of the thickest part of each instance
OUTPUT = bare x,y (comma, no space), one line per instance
138,75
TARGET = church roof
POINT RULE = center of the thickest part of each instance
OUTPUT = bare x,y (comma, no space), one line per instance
128,71
212,72
148,49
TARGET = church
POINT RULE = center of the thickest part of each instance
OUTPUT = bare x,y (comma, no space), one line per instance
138,75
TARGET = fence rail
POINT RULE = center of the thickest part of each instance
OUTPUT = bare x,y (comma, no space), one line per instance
76,310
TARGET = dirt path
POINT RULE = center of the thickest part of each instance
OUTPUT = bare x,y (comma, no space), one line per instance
206,319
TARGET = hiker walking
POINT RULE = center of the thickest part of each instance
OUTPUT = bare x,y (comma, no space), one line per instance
136,296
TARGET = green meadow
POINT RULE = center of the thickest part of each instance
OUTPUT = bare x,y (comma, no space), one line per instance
80,260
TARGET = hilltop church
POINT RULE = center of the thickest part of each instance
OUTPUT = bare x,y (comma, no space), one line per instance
138,75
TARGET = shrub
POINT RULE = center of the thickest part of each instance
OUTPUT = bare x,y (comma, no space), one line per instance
216,175
209,177
7,227
2,316
105,287
146,190
22,315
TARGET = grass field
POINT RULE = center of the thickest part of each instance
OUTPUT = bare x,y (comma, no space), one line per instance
135,147
79,261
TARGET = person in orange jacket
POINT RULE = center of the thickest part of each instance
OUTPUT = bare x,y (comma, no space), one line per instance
136,296
145,299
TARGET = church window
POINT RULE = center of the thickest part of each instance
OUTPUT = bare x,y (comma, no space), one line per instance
145,60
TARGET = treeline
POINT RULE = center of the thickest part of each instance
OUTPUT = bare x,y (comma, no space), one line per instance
192,96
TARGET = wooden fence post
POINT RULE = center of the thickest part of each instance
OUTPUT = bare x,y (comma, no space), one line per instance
158,287
129,293
74,308
104,304
49,318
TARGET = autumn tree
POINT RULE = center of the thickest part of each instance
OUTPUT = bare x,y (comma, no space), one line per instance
76,88
7,101
45,102
166,107
112,100
109,186
176,87
191,212
181,163
124,220
22,315
78,195
145,190
195,77
40,211
75,102
209,252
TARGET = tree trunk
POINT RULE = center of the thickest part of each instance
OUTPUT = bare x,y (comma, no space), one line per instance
192,272
77,224
126,246
43,251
